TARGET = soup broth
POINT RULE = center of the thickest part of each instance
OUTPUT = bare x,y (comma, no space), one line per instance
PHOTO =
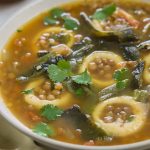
80,73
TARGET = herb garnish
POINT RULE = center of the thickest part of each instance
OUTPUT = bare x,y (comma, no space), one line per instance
121,76
51,112
50,21
80,92
104,13
43,129
83,78
122,84
71,23
59,72
56,74
65,65
56,15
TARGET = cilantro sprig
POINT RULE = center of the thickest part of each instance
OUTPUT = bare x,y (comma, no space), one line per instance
51,112
122,76
59,72
55,14
105,12
56,74
58,15
43,129
64,65
71,23
122,84
83,78
80,91
50,21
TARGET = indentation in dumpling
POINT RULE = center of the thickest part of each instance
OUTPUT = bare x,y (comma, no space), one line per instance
120,116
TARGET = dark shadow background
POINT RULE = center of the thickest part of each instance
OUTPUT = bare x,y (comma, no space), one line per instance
4,2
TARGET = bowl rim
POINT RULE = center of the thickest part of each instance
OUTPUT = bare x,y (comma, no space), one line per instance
6,113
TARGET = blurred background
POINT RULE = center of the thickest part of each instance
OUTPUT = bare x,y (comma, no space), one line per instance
9,7
10,138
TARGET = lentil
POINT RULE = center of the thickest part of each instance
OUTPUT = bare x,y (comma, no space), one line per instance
101,66
117,112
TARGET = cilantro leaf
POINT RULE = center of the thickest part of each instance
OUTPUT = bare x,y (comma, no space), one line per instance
56,74
122,77
64,65
83,78
80,92
56,12
43,129
122,74
104,13
71,23
59,72
30,91
122,84
50,21
51,112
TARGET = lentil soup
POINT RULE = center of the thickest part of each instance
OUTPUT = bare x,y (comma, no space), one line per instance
80,73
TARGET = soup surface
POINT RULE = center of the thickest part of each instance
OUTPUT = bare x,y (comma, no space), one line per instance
80,73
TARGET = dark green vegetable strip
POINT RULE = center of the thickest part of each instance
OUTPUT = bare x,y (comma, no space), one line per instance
42,53
85,50
130,53
45,58
141,95
77,56
112,90
74,87
36,70
49,58
43,129
144,45
125,34
137,75
89,130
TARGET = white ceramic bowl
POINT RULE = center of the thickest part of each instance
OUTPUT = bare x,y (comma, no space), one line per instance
5,32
